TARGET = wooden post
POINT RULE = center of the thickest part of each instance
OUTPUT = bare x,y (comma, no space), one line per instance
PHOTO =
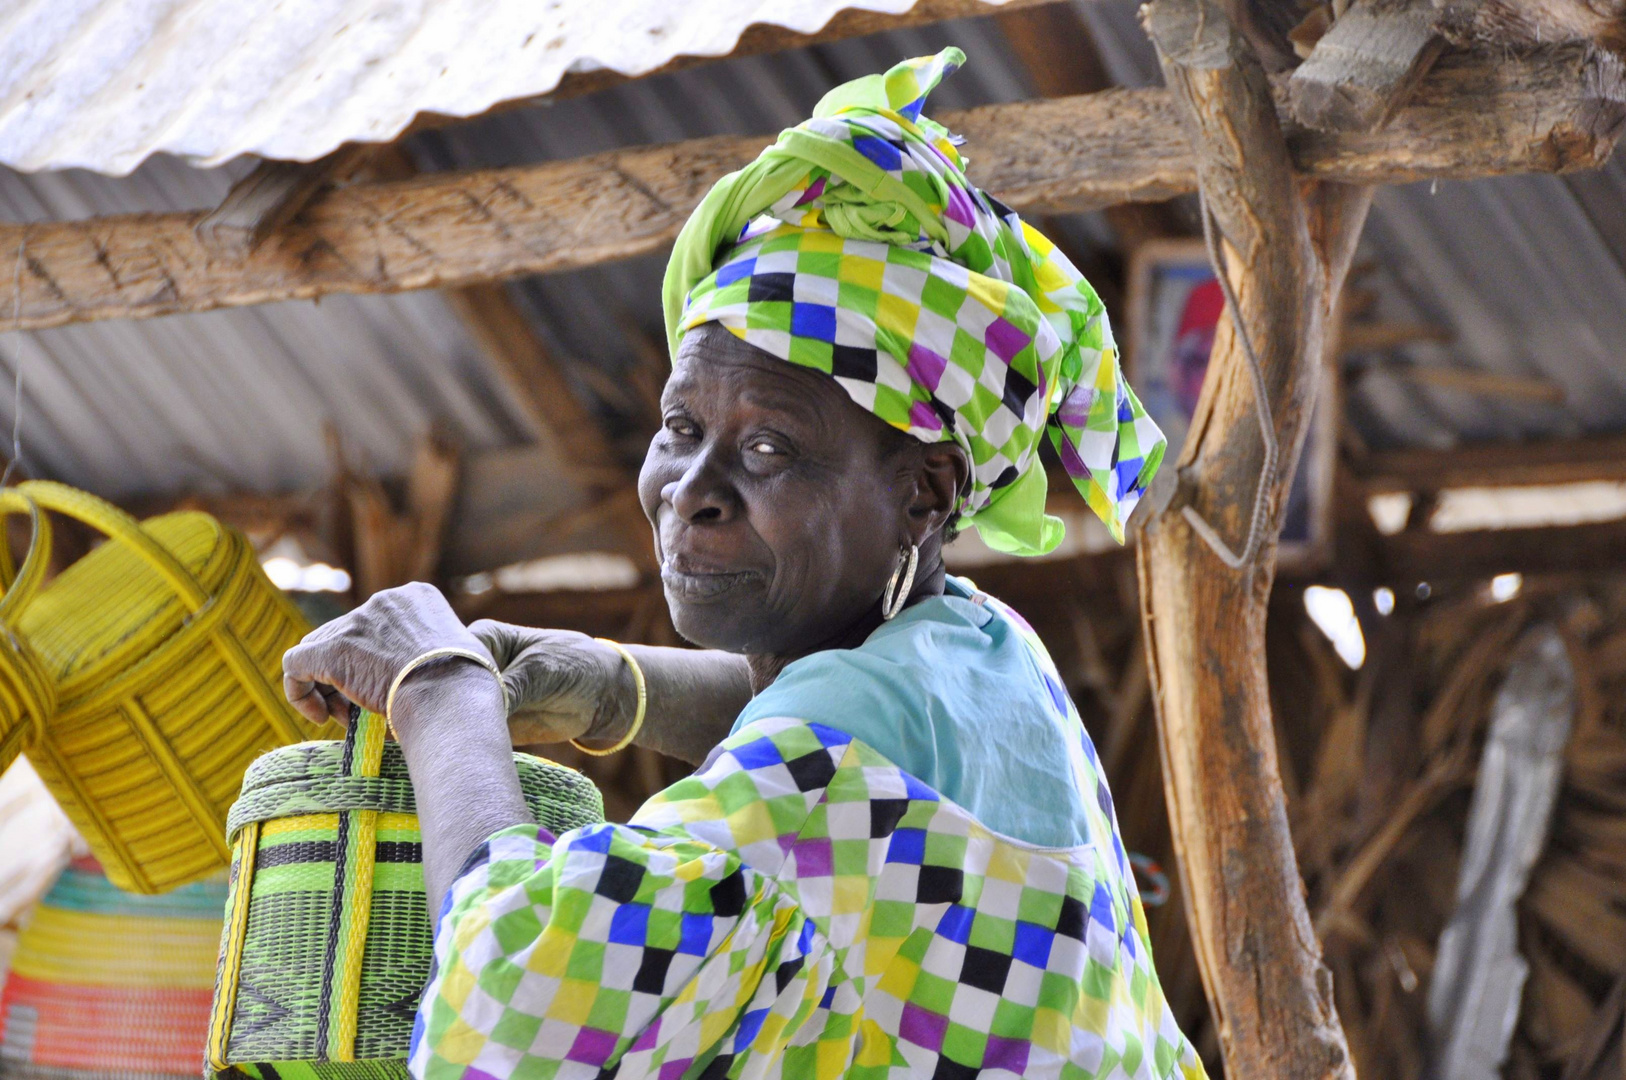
1287,249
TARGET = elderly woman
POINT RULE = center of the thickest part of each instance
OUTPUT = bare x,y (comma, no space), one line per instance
898,857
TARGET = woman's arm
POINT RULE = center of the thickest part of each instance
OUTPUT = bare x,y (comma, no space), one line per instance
448,716
564,685
454,734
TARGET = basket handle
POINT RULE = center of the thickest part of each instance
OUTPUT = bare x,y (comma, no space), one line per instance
102,515
20,589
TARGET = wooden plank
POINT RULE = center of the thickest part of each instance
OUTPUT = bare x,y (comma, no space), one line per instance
1549,111
505,334
1287,251
1419,555
525,363
1366,66
1482,383
1059,56
1498,464
266,199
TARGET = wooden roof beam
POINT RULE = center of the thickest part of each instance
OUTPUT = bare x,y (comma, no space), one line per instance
268,198
1498,464
1421,555
1474,115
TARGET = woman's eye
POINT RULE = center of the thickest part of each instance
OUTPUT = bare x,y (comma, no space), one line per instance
679,426
763,446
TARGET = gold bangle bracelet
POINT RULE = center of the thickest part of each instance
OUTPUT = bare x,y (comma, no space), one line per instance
637,718
436,654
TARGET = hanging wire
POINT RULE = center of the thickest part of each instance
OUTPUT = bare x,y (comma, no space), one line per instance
1267,427
17,386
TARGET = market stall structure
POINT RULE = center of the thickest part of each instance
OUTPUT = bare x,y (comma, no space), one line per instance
468,400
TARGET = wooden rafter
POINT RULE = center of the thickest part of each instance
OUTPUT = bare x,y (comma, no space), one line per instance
524,361
1287,250
1475,115
1415,555
1059,55
1498,464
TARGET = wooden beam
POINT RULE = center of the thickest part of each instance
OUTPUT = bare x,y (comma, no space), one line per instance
1420,555
1060,58
524,361
1497,464
1481,383
532,373
1287,252
1549,111
1359,337
1366,66
266,199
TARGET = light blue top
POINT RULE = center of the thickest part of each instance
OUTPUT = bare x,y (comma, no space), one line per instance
952,692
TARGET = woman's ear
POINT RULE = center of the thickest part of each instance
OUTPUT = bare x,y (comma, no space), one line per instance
942,474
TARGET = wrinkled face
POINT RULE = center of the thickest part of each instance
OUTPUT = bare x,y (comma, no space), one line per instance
779,505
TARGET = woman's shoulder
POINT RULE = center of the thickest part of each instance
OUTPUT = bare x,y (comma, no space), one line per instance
929,661
929,638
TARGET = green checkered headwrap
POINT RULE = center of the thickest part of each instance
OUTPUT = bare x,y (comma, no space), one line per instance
855,245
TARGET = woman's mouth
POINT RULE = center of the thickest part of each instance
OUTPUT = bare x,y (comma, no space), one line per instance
687,581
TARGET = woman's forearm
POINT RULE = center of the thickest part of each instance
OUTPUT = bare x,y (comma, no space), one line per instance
454,735
694,696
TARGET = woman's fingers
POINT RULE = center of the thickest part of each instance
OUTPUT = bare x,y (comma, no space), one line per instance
322,677
503,640
355,657
316,701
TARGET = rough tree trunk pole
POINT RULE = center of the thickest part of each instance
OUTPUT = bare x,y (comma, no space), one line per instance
1287,248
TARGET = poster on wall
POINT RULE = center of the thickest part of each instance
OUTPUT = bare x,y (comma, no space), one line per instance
1174,306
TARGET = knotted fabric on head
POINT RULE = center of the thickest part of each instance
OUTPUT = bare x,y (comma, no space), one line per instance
855,245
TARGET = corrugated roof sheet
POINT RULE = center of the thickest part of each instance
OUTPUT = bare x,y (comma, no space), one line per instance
235,400
1526,271
104,84
1518,272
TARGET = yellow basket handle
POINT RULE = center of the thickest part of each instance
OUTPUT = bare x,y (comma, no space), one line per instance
21,588
118,525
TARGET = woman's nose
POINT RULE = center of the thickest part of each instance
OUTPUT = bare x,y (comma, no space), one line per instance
703,494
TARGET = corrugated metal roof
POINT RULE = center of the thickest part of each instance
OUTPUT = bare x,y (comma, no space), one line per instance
235,400
1519,273
104,84
1526,271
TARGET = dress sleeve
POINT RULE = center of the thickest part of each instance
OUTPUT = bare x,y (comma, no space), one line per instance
668,940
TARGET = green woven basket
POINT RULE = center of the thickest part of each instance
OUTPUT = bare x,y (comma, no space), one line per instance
326,945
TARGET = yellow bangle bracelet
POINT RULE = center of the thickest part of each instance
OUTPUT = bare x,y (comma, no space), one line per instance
436,654
637,718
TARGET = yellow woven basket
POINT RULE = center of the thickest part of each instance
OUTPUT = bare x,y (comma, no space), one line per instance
163,648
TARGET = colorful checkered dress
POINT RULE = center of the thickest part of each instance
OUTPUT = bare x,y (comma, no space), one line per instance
799,908
856,246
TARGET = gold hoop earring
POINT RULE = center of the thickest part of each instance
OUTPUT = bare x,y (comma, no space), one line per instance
894,595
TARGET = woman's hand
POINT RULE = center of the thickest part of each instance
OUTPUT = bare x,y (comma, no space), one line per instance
355,657
560,684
